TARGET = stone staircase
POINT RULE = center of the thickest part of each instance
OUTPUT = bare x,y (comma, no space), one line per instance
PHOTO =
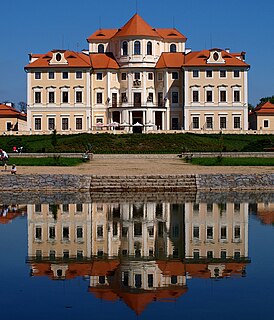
153,183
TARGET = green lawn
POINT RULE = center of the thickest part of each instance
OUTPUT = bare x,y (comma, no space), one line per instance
49,161
223,161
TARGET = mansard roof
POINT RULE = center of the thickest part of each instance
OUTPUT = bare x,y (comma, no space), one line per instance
74,59
200,58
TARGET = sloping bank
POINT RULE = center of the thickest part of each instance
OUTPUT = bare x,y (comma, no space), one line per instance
152,183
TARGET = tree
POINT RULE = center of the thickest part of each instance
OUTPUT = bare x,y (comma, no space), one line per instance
265,99
22,106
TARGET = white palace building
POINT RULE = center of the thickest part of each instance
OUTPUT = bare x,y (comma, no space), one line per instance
137,79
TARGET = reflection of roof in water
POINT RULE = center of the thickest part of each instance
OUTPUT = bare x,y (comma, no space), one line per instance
266,216
10,215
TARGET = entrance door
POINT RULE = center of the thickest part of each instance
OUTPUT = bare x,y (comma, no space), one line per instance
137,99
158,119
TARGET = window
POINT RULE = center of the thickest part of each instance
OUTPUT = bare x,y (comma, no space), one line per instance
150,231
137,229
209,233
173,48
137,47
209,254
195,74
51,123
79,123
79,207
237,122
209,122
222,73
37,97
79,232
114,100
138,280
51,75
237,232
51,97
150,280
79,97
175,75
65,124
196,232
236,73
173,280
79,75
209,207
175,97
266,123
237,207
196,207
37,75
99,97
222,96
195,96
52,254
58,57
175,231
66,254
65,96
65,207
236,95
38,208
196,254
209,74
65,233
160,76
124,232
99,76
150,97
160,99
222,122
174,123
52,232
101,48
223,233
37,124
124,76
209,96
150,76
149,48
125,48
195,122
38,233
65,75
100,232
223,254
137,76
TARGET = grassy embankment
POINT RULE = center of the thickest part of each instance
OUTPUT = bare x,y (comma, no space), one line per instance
135,143
220,161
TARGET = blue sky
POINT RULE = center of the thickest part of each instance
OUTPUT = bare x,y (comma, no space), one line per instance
38,27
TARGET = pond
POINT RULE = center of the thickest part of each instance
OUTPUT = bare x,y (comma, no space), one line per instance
189,256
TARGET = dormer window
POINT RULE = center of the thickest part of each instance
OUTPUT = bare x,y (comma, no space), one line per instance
58,57
101,48
137,47
125,48
173,47
215,56
149,48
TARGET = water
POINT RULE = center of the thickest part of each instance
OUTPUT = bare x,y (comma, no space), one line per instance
127,257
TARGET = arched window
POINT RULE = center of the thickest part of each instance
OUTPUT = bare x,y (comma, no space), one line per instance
125,48
149,48
137,47
173,47
101,48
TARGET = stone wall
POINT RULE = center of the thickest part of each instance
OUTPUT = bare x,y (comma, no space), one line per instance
148,184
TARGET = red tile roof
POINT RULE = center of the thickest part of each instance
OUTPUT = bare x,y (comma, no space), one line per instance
264,108
172,34
10,112
199,58
74,59
103,61
102,34
137,26
170,60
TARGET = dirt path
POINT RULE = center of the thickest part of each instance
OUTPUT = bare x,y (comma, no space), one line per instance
138,165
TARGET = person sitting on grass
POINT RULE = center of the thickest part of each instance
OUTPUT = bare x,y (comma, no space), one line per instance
13,169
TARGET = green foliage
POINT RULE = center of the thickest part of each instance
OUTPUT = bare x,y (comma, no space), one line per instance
222,161
138,143
265,99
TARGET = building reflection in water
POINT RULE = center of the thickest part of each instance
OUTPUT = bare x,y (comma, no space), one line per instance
138,252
